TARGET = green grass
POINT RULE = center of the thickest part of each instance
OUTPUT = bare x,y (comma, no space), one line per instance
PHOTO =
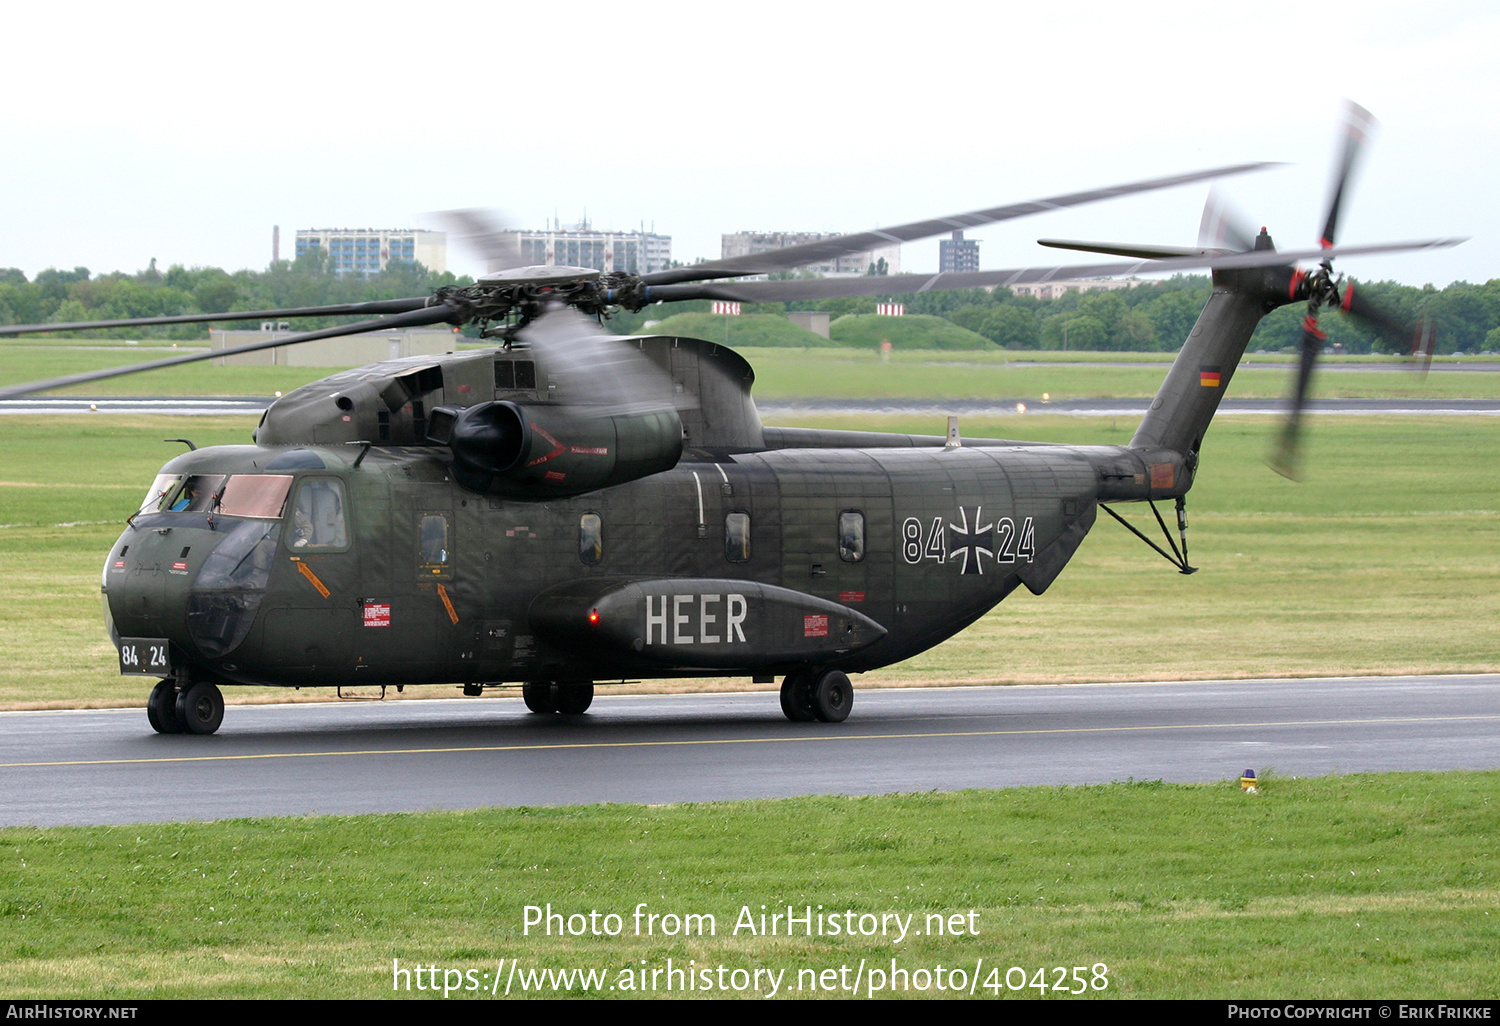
1383,561
748,331
918,332
1341,887
784,369
782,375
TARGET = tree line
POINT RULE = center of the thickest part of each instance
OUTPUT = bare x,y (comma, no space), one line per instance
1150,316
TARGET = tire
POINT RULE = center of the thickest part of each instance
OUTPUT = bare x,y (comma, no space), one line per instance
574,699
796,697
833,697
161,709
200,708
539,696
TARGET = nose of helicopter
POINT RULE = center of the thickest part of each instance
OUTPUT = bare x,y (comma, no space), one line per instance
196,582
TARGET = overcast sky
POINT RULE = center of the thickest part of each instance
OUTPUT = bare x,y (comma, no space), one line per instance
183,132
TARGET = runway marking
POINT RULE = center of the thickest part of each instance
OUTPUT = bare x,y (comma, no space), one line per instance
749,741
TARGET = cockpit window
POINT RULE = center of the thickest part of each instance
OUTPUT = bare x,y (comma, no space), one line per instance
318,520
156,495
255,495
199,494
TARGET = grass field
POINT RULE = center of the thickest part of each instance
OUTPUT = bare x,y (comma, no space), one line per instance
1360,886
816,373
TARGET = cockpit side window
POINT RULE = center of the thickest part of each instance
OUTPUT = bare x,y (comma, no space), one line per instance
156,495
318,518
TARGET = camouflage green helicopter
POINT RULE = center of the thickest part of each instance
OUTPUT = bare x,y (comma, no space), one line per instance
571,507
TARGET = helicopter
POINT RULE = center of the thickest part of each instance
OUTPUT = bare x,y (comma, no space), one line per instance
571,508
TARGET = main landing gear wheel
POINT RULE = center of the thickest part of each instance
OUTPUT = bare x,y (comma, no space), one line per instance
573,699
796,697
539,696
200,708
161,709
545,696
832,697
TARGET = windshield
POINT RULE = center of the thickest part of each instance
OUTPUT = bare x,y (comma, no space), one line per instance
242,495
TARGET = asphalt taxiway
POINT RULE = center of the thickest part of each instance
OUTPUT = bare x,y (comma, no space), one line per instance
106,766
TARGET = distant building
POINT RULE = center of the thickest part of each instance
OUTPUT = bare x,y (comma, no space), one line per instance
369,250
1053,289
637,252
958,254
749,243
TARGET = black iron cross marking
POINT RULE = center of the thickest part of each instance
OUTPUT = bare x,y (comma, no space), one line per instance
968,544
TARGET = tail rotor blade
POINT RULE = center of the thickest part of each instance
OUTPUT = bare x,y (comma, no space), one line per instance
1359,124
1285,459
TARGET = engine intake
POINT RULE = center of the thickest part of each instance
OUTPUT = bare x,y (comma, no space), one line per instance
542,452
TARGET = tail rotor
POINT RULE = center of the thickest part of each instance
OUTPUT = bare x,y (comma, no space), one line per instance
1322,288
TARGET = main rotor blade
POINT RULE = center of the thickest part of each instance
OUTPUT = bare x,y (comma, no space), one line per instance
1222,226
808,289
378,306
413,318
1143,252
591,369
484,232
843,245
1358,125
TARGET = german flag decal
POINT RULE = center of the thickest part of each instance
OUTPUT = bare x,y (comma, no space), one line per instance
1208,377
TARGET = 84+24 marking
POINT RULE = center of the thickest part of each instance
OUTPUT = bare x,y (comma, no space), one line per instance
967,542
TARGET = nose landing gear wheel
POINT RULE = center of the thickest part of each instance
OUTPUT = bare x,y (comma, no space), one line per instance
539,696
200,708
796,697
161,709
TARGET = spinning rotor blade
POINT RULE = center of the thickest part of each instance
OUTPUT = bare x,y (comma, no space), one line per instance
483,232
827,288
843,245
1321,288
1284,459
1362,309
412,318
594,370
1223,227
379,306
1358,125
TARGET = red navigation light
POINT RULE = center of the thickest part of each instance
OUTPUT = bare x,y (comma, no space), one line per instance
594,616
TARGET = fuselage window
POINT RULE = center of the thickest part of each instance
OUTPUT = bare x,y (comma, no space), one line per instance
737,537
318,519
590,539
851,536
434,532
